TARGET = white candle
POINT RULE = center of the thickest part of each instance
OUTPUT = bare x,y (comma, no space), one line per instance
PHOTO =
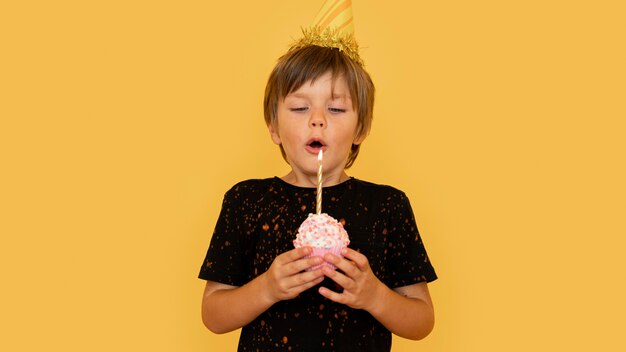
319,182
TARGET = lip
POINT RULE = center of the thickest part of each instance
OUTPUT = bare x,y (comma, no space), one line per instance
315,150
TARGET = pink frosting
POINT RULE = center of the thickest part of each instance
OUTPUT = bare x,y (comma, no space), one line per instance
321,231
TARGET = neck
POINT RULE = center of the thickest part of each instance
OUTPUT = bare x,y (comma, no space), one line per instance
311,181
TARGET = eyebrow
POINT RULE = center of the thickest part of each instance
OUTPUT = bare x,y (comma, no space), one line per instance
296,95
341,96
335,96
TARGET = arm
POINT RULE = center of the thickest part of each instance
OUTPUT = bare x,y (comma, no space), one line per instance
406,311
285,279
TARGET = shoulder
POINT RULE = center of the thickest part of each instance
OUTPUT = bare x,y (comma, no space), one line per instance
385,199
249,190
378,190
252,186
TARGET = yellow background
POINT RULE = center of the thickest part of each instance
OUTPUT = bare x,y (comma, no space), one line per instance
124,122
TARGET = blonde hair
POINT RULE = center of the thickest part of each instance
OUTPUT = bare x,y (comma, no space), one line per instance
308,63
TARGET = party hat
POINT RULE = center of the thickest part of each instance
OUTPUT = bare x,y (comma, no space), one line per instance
333,27
336,14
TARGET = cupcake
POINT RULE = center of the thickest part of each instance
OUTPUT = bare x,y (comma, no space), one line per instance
324,234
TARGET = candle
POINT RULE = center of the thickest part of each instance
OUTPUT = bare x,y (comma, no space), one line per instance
319,182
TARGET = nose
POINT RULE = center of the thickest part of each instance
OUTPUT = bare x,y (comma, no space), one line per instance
317,119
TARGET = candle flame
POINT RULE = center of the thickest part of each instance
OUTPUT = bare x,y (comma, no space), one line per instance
320,155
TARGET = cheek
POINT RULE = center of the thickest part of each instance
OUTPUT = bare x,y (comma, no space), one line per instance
289,139
349,133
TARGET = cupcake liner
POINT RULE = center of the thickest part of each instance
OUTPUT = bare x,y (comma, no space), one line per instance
321,252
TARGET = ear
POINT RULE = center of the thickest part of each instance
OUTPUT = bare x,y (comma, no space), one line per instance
274,133
358,139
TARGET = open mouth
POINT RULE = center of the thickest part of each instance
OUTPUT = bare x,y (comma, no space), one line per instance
316,144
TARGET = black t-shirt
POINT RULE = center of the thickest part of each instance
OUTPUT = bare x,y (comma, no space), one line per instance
259,220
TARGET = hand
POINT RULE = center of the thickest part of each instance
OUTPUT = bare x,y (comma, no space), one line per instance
361,288
286,278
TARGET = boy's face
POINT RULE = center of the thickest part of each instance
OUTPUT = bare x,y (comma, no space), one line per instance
317,116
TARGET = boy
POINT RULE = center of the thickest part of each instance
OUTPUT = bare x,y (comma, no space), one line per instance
318,96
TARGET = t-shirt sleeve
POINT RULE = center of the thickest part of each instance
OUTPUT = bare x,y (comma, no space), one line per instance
224,259
408,262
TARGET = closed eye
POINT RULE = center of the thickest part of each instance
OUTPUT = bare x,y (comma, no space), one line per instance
301,109
336,110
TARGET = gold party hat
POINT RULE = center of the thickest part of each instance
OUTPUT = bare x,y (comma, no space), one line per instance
336,14
333,27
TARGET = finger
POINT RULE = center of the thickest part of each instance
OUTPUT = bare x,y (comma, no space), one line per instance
302,264
347,266
332,295
307,280
298,283
293,255
342,280
358,258
308,285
